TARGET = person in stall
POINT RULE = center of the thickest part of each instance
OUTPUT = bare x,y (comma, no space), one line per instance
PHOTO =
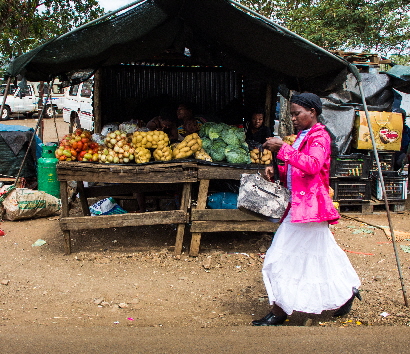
189,124
165,122
256,130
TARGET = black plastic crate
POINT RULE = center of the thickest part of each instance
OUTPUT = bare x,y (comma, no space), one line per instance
394,184
386,159
351,190
350,166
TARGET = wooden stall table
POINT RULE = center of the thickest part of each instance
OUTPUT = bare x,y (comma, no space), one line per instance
141,178
217,220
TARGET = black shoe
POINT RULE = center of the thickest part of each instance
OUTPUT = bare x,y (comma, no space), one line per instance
270,320
345,309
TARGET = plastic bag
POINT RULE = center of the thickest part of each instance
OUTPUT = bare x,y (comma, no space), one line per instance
109,128
106,206
129,127
24,203
223,200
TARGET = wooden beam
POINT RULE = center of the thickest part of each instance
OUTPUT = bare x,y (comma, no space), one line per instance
229,225
122,220
222,215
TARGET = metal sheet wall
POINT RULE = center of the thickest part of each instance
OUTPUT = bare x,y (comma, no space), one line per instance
139,92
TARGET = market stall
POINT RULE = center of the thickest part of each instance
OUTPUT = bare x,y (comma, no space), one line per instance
181,49
131,178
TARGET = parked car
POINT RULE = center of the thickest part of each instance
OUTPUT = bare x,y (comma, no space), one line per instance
11,91
78,106
25,99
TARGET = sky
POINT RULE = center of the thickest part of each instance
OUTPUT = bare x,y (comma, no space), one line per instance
110,5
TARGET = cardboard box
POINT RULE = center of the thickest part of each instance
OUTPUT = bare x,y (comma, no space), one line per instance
387,129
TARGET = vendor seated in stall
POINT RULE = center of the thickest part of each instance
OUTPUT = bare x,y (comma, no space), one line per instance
166,123
188,122
256,130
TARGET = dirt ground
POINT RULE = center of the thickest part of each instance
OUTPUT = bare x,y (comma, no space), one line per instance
129,276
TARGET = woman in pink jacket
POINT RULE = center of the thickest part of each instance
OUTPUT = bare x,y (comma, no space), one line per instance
304,269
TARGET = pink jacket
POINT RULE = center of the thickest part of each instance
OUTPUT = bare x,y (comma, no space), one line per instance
310,177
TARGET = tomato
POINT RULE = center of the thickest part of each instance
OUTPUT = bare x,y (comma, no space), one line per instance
73,152
62,158
74,145
79,146
93,145
88,156
85,146
78,131
82,153
85,140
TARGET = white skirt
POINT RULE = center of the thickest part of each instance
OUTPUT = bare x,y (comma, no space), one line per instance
305,270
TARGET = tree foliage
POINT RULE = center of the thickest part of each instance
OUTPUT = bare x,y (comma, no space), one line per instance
376,25
25,24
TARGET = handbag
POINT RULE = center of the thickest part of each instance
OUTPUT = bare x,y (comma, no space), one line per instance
265,199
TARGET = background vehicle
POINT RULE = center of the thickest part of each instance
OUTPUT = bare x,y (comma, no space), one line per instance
78,105
25,99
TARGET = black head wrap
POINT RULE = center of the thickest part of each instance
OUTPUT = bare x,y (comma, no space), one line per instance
308,100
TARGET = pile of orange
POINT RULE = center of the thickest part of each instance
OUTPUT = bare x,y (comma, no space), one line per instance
78,146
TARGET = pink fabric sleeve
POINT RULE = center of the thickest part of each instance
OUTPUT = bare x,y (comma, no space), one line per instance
311,162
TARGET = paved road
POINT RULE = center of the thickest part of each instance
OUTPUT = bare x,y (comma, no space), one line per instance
235,340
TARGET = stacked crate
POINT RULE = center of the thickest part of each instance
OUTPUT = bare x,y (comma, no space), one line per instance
350,178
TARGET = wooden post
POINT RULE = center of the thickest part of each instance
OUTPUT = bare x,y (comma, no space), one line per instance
64,214
185,203
285,123
40,109
201,204
83,198
268,106
97,102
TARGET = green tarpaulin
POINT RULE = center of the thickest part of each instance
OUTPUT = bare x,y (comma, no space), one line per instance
216,32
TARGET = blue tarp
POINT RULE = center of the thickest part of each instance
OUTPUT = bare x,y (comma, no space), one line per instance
19,128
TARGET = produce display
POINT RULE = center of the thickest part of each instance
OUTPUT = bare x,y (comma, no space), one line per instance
163,153
264,159
117,148
151,139
77,146
203,155
289,139
187,147
142,155
214,142
225,142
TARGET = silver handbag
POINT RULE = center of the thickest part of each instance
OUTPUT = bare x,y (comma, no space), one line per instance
265,199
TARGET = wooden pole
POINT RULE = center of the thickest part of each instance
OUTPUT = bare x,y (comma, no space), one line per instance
268,106
6,92
379,170
97,102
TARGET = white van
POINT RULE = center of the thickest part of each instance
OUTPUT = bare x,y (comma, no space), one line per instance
25,99
78,105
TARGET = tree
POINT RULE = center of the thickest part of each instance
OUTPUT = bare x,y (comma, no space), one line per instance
25,24
369,25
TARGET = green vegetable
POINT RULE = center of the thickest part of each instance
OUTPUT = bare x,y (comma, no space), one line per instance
217,150
206,143
229,137
235,154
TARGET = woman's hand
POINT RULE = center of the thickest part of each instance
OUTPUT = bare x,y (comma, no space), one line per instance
268,175
273,144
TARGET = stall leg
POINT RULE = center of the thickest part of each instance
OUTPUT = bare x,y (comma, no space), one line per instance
67,241
65,214
201,204
83,199
185,202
